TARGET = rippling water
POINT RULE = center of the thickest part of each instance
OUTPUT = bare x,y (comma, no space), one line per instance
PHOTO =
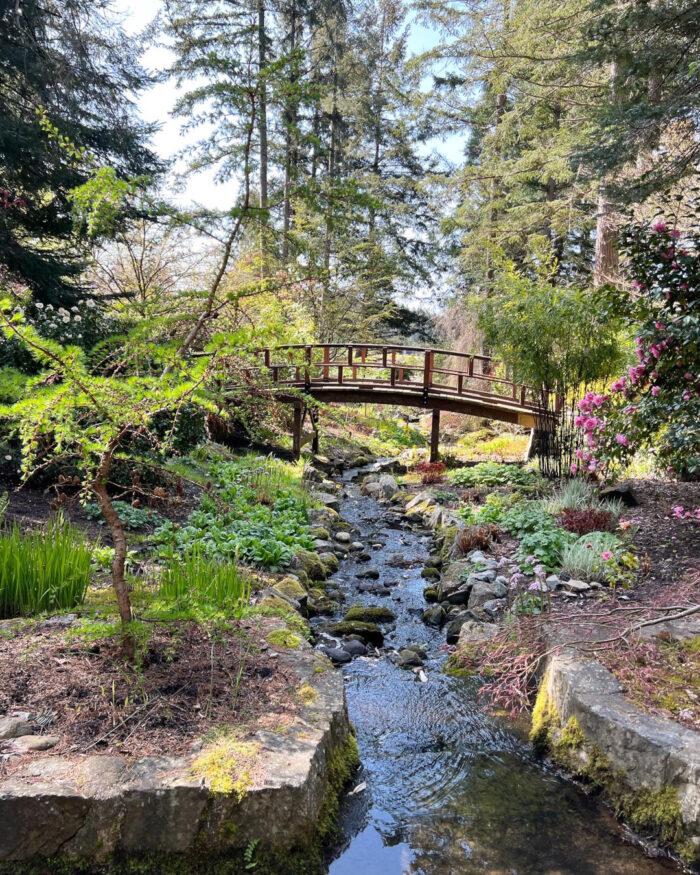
449,789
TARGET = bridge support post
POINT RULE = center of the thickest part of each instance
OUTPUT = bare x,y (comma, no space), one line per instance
434,436
296,432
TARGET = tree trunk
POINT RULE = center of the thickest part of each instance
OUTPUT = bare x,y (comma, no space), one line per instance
606,256
290,120
118,533
262,106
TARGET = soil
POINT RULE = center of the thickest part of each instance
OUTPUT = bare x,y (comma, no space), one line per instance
186,681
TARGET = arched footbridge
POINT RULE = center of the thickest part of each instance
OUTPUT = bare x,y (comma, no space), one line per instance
408,376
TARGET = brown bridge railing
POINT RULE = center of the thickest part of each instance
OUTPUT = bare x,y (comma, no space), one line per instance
436,379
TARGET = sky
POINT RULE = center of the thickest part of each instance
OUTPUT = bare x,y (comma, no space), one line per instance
155,106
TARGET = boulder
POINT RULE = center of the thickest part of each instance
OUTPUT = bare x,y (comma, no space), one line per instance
310,474
323,516
343,537
495,606
576,586
35,742
430,573
330,562
475,630
370,614
309,563
408,658
327,500
14,727
388,487
337,655
435,616
484,591
368,574
622,492
454,626
370,633
291,588
354,647
320,533
431,594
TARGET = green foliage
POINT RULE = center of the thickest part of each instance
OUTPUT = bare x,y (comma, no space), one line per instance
492,474
132,517
264,519
194,580
582,558
43,571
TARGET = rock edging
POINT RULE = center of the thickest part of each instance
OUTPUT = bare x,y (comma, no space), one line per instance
647,766
102,807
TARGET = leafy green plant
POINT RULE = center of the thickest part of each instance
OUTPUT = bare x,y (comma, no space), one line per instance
583,558
492,474
132,517
43,571
544,545
193,578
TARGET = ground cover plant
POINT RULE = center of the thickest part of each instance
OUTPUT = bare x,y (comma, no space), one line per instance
256,514
492,474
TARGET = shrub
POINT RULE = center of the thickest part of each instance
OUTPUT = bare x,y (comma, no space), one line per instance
431,472
195,579
545,546
584,520
43,571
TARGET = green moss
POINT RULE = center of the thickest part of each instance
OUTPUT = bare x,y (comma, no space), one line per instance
369,614
572,736
455,668
430,573
225,766
545,718
367,631
330,563
320,533
658,813
284,638
307,694
291,588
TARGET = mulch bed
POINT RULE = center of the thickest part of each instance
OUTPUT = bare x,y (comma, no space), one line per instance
183,684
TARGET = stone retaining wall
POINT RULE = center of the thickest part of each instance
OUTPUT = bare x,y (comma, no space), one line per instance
95,807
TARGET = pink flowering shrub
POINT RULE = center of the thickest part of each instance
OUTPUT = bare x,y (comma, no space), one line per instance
656,404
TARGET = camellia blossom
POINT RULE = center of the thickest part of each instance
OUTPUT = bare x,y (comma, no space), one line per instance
659,226
621,439
655,391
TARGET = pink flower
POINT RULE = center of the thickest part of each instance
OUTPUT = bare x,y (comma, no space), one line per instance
573,468
675,233
658,226
655,391
621,439
606,555
625,524
688,376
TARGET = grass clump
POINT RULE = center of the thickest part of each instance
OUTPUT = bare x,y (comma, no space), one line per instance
43,571
194,579
583,557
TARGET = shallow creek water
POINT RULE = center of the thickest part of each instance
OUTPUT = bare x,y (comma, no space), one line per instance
450,789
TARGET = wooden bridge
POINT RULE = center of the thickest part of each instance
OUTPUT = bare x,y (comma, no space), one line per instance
408,376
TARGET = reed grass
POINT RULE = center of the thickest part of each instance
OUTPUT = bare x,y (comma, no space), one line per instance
43,571
193,578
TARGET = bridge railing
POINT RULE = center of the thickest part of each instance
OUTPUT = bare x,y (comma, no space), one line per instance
430,371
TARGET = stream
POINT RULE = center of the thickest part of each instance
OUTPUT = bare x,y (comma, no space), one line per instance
448,788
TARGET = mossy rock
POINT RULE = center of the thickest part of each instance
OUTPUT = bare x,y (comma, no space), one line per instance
369,614
430,573
320,533
291,588
330,563
431,594
274,603
284,638
309,563
368,632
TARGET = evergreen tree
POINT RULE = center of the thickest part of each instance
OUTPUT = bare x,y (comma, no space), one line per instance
73,63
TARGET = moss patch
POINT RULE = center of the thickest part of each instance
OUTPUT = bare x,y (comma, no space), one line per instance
307,694
369,614
284,638
545,718
291,588
225,765
369,632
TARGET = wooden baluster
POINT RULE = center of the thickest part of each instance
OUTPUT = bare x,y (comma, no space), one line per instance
326,360
267,358
460,384
428,369
523,395
340,375
384,355
470,367
307,366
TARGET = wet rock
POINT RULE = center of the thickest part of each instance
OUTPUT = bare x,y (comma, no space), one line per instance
354,647
370,614
336,594
322,462
460,596
343,537
399,560
320,533
454,626
330,562
434,561
388,487
408,658
327,500
434,616
337,655
321,546
430,573
366,587
359,462
316,607
484,591
370,633
14,727
364,557
431,594
371,489
356,546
